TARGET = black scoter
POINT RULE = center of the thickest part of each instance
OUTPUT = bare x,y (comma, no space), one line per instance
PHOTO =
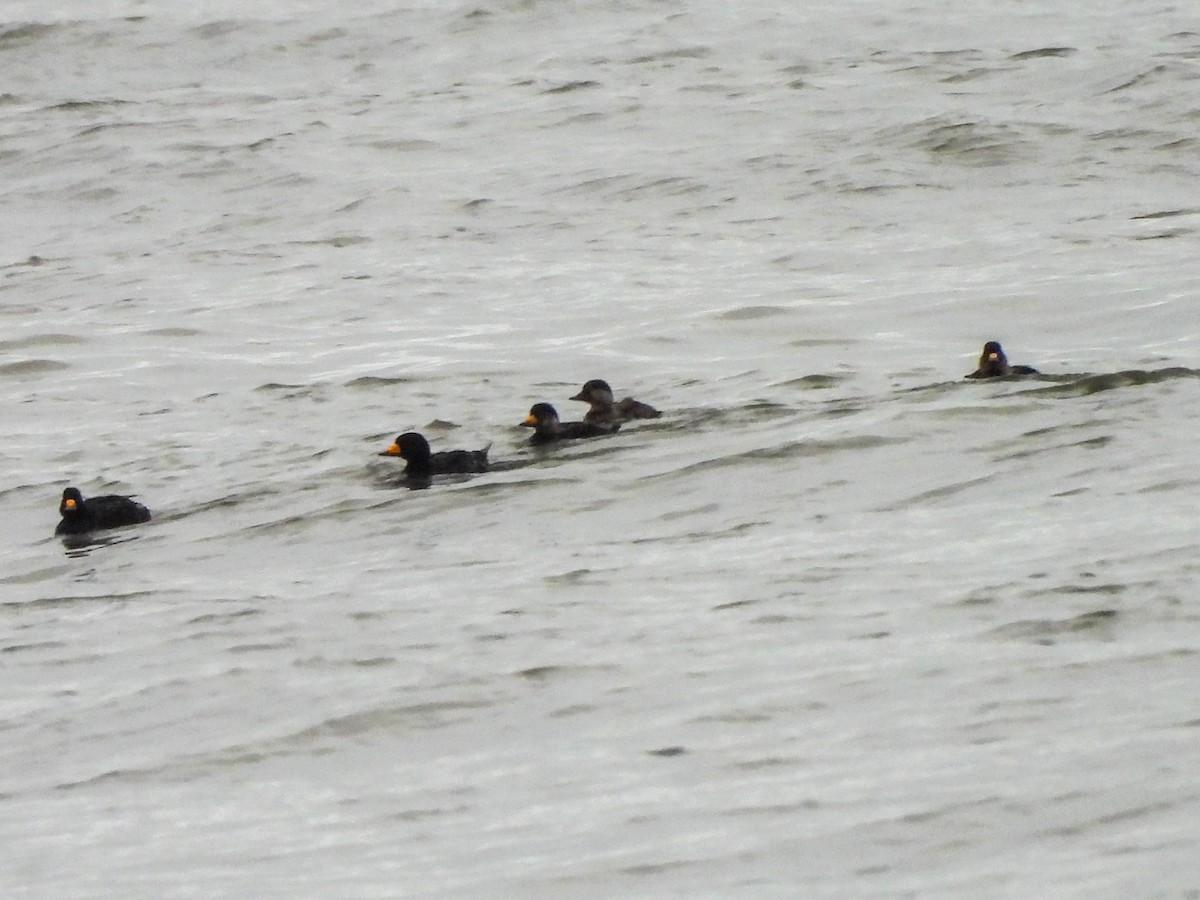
543,418
80,516
604,410
994,364
414,450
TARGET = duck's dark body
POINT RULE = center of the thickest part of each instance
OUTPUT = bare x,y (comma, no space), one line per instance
603,410
80,516
994,364
543,418
414,450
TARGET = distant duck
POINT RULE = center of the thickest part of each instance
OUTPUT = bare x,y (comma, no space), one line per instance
80,516
414,450
994,364
603,410
543,418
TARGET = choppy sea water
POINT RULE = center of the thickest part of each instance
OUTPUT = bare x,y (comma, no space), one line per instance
840,624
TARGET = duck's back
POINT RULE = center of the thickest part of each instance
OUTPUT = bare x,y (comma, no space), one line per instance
636,409
450,462
574,430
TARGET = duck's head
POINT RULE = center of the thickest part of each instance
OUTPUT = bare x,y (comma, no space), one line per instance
541,415
408,446
595,391
993,354
72,502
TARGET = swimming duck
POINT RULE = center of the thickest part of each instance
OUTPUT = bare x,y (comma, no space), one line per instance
414,450
604,411
80,516
994,364
543,418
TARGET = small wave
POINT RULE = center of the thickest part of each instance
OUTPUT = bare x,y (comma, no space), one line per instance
825,448
1092,443
923,499
337,240
1096,625
50,573
975,73
572,86
1165,235
1185,144
822,342
705,510
80,546
668,55
313,740
31,367
815,382
1150,74
970,142
1168,213
742,313
72,600
1093,384
32,645
176,331
673,186
371,382
327,34
24,34
692,538
574,577
558,672
29,262
223,619
477,488
76,105
404,145
1044,52
421,716
217,29
802,449
293,391
1171,485
42,340
704,418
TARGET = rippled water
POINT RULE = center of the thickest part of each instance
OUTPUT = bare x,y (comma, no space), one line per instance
839,624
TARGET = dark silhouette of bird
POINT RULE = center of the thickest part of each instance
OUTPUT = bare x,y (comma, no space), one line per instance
543,419
994,364
80,516
421,463
604,410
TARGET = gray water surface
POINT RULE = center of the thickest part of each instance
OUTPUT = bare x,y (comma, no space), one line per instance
840,624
